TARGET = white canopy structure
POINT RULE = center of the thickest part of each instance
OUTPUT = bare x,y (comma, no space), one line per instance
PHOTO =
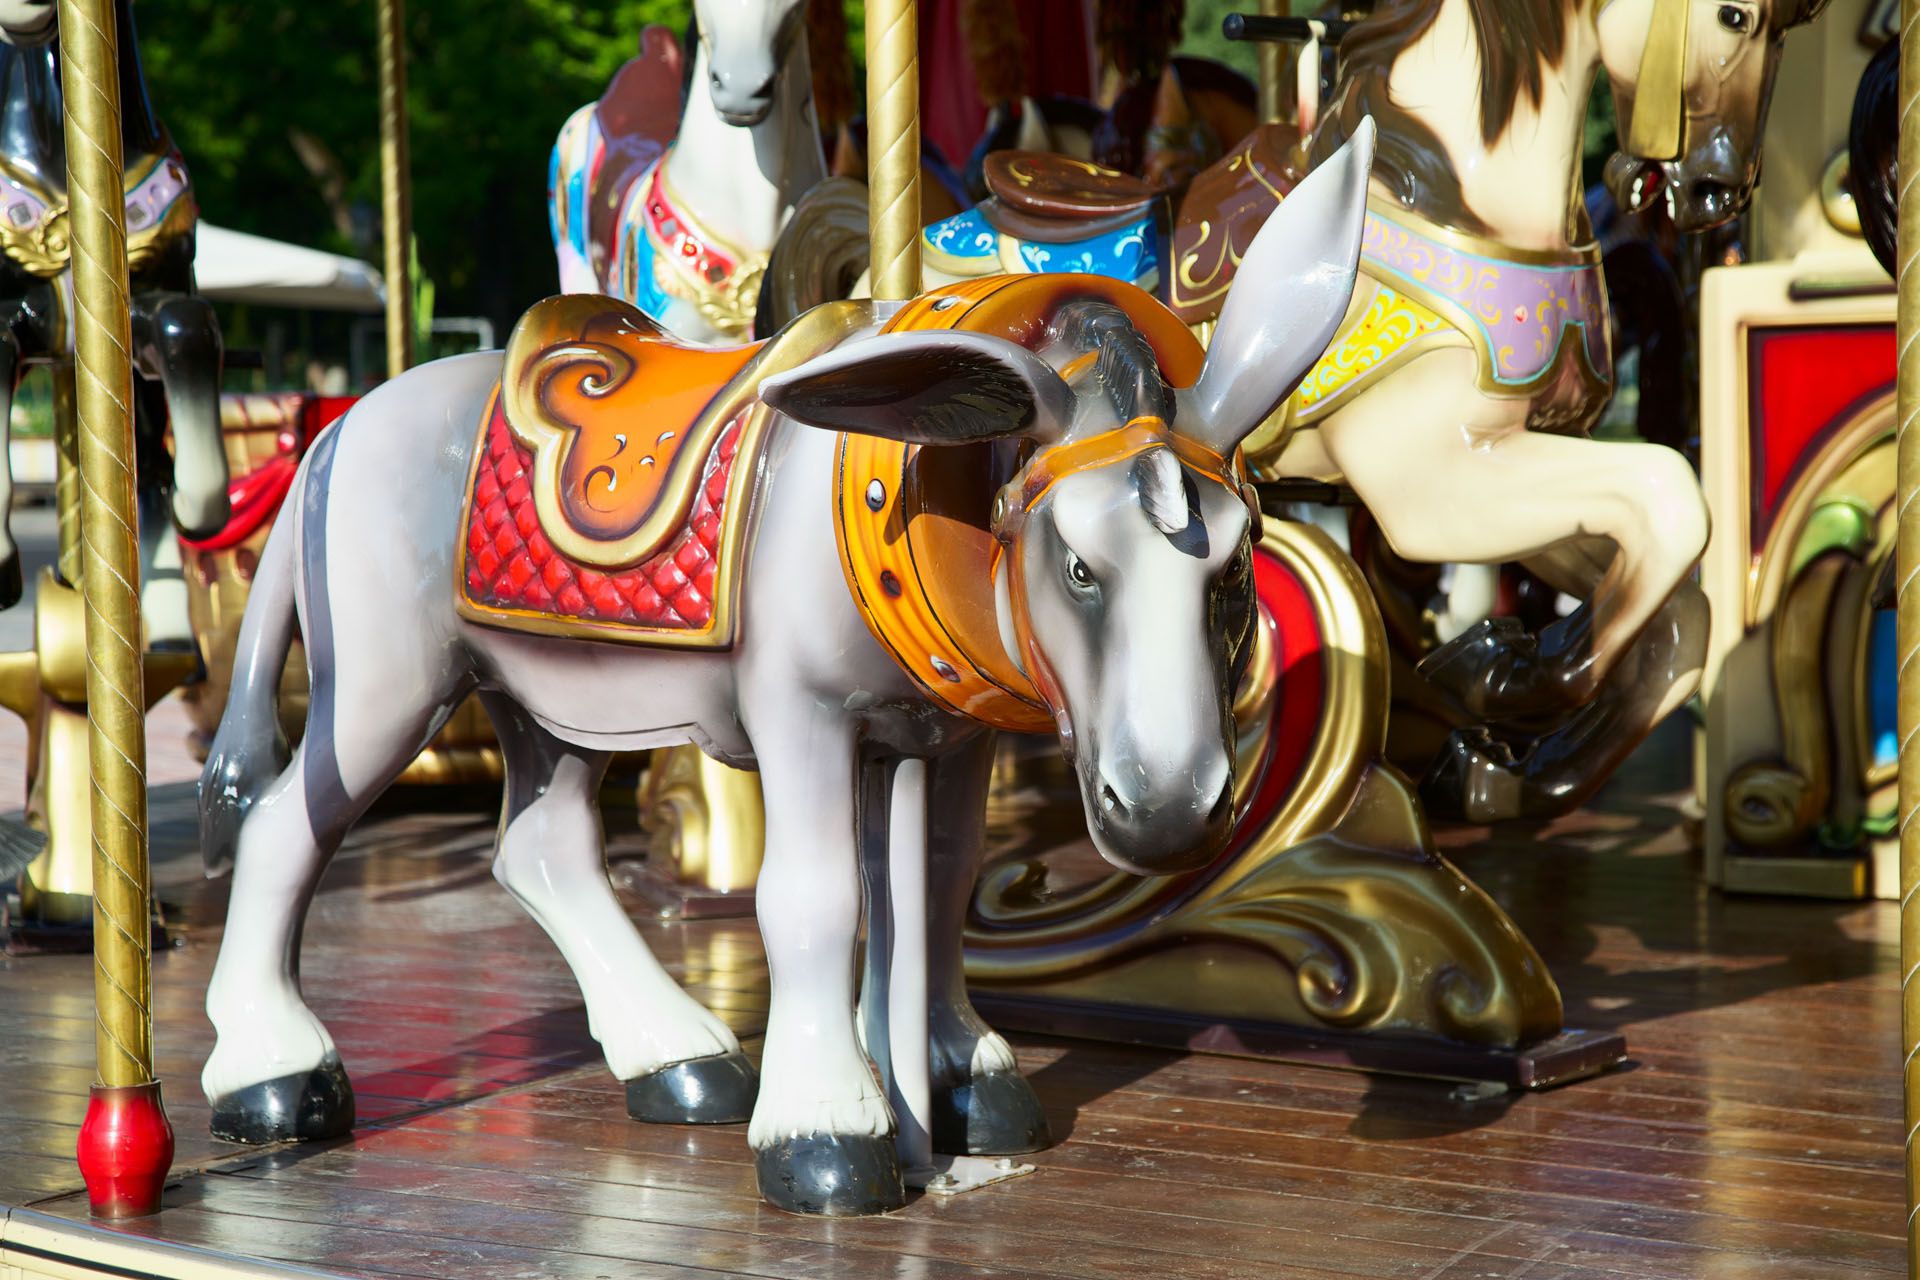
238,267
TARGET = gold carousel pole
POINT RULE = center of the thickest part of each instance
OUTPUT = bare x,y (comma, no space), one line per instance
396,198
125,1144
1273,69
1908,615
893,146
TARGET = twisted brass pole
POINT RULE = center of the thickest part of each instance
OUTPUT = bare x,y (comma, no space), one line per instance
396,196
893,146
116,707
66,476
1907,551
1273,69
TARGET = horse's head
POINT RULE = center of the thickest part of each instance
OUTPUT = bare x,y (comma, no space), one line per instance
747,43
27,21
1691,80
1124,584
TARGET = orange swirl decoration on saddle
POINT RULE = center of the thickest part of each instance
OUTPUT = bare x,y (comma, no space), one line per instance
915,526
614,475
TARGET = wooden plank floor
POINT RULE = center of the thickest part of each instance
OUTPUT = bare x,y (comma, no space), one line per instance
1757,1133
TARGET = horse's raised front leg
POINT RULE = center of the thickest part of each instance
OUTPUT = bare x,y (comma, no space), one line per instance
12,584
681,1064
982,1105
1451,474
1481,778
822,1132
177,340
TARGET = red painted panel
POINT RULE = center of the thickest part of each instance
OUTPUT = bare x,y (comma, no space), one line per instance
1299,652
1805,381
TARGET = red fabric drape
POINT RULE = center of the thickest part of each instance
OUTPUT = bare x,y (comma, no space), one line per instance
1057,36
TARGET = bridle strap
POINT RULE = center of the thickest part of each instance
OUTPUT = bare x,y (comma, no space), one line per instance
1054,463
1659,119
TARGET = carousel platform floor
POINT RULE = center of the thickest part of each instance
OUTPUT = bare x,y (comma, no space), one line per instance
1755,1133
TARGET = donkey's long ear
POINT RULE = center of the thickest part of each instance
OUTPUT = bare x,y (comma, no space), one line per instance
942,387
1287,300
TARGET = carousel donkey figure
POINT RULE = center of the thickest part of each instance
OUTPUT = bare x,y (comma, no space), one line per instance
609,535
176,340
675,207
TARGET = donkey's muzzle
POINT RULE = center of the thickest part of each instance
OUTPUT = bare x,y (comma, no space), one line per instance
1161,831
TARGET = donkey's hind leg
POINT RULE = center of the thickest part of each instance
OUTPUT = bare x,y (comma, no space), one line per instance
274,1073
681,1064
982,1105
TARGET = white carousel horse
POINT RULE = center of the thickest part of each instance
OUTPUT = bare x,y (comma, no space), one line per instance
680,225
1120,600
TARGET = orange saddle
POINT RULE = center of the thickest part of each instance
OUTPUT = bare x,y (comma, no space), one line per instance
613,479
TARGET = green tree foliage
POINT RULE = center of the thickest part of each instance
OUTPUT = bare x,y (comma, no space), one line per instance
1201,38
275,108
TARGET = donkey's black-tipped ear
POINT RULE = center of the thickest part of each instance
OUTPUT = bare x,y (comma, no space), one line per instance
943,387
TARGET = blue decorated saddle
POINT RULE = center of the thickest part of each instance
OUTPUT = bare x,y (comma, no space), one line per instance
1051,213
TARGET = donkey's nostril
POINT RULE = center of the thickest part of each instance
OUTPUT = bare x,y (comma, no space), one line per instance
1110,800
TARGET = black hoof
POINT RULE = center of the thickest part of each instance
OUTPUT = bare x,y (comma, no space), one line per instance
12,584
997,1114
715,1090
840,1175
1498,671
1478,778
1447,792
305,1108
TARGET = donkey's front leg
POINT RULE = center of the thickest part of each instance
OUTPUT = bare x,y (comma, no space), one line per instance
982,1105
822,1132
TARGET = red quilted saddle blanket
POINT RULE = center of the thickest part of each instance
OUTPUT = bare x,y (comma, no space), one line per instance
514,576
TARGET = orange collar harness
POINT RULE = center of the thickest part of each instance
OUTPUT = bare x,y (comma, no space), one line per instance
921,531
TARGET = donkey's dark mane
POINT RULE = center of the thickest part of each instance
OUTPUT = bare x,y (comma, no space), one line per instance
1127,369
1517,43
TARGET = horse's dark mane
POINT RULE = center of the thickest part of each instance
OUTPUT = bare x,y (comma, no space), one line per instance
1127,369
1517,44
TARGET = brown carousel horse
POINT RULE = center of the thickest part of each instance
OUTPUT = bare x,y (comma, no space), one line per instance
1476,355
1476,359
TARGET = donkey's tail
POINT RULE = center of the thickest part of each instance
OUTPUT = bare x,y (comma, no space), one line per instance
569,180
249,750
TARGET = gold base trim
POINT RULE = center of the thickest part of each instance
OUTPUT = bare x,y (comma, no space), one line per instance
1842,879
38,1246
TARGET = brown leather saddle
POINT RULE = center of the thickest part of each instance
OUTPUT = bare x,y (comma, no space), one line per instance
1055,199
639,116
1226,206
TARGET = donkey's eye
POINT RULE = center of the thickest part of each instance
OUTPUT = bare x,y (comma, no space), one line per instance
1735,19
1078,573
